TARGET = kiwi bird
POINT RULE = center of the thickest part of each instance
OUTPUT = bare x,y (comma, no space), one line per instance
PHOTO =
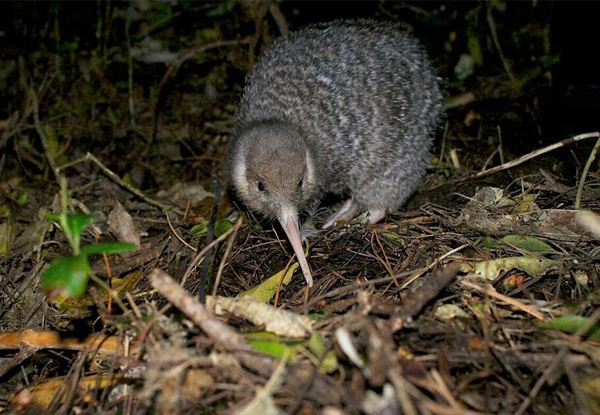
347,107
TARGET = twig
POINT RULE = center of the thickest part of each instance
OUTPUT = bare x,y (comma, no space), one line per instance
444,137
401,386
145,330
414,303
593,319
531,155
106,266
489,159
500,145
24,353
492,24
129,71
183,300
201,254
112,293
177,235
541,381
508,300
384,261
454,159
283,274
581,396
584,173
445,391
437,409
279,18
114,177
354,287
221,334
423,270
236,228
42,134
459,100
210,235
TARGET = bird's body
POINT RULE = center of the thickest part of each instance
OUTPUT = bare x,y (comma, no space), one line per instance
348,107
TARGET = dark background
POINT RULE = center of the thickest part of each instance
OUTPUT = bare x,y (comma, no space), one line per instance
551,47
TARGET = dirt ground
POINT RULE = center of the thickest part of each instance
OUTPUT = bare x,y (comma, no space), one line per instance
133,282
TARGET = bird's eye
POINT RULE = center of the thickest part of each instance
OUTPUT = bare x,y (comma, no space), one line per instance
260,186
300,184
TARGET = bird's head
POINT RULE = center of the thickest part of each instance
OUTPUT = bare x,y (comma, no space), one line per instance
272,171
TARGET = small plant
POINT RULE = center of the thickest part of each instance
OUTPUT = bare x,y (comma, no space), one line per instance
70,275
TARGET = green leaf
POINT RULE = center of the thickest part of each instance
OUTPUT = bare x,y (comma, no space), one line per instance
317,345
221,9
329,364
318,315
274,347
7,236
122,85
475,49
51,140
112,117
533,265
266,290
52,216
107,248
77,222
525,204
488,242
22,199
69,275
528,243
200,229
222,226
570,324
392,236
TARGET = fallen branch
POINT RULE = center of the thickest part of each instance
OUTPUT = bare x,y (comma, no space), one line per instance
115,178
585,171
531,155
416,301
508,300
221,334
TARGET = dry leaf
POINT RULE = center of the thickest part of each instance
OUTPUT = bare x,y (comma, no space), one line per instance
274,320
120,224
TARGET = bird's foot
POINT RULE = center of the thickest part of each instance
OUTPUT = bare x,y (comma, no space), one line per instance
348,211
374,215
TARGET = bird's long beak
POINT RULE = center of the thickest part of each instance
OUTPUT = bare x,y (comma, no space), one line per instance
289,222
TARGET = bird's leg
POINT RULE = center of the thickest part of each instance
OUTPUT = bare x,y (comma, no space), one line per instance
375,215
348,211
